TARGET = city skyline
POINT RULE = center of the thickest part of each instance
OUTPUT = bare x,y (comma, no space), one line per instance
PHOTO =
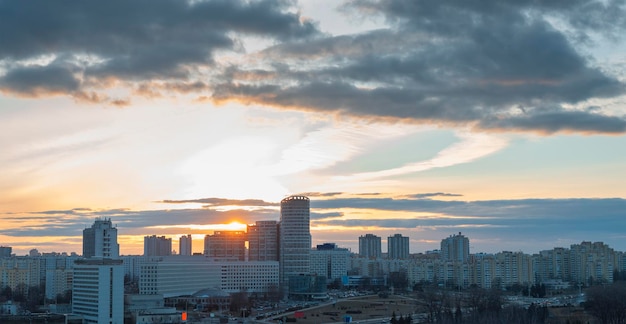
502,120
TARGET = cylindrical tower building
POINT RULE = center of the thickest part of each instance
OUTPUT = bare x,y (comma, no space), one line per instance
294,237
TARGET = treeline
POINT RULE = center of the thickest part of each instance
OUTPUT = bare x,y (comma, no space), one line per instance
31,297
477,306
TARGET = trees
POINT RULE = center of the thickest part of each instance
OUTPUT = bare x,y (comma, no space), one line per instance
608,302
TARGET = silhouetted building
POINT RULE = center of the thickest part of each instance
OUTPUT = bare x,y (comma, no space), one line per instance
455,248
5,251
369,246
185,246
157,246
398,247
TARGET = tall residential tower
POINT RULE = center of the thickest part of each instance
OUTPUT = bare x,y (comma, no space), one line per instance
100,240
369,246
398,247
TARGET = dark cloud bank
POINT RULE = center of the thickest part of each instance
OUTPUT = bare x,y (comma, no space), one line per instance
494,65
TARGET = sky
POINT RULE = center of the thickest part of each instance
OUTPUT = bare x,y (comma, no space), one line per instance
502,120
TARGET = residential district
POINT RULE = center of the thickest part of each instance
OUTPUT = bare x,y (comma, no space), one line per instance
270,269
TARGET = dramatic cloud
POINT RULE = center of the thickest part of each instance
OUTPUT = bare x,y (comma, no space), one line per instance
75,46
216,202
520,66
514,224
432,195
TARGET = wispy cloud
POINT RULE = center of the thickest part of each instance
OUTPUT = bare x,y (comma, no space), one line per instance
471,147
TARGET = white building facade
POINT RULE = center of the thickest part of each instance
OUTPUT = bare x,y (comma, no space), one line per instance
98,291
179,276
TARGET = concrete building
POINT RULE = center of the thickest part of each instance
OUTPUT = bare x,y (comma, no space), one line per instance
98,290
263,241
330,261
100,240
398,247
179,276
455,248
185,246
226,245
157,246
370,246
295,238
592,263
20,273
5,251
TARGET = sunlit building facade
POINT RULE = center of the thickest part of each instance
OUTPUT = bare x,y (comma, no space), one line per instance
226,245
263,241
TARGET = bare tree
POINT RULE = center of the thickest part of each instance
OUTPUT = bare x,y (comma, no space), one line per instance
608,303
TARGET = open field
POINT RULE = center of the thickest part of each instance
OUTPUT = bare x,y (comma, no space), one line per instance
371,309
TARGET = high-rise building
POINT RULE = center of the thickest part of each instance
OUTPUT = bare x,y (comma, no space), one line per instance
98,290
185,245
369,246
295,238
226,245
263,241
5,251
398,247
157,246
455,248
100,240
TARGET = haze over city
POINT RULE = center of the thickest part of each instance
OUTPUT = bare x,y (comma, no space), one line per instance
504,120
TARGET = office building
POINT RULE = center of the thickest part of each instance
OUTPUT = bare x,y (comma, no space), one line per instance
226,245
295,238
179,276
157,246
98,290
398,247
370,246
330,261
455,248
100,240
185,245
263,241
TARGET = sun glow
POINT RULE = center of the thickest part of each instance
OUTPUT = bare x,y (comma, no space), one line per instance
232,226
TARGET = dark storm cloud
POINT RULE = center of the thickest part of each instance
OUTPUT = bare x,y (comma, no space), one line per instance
450,62
135,40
